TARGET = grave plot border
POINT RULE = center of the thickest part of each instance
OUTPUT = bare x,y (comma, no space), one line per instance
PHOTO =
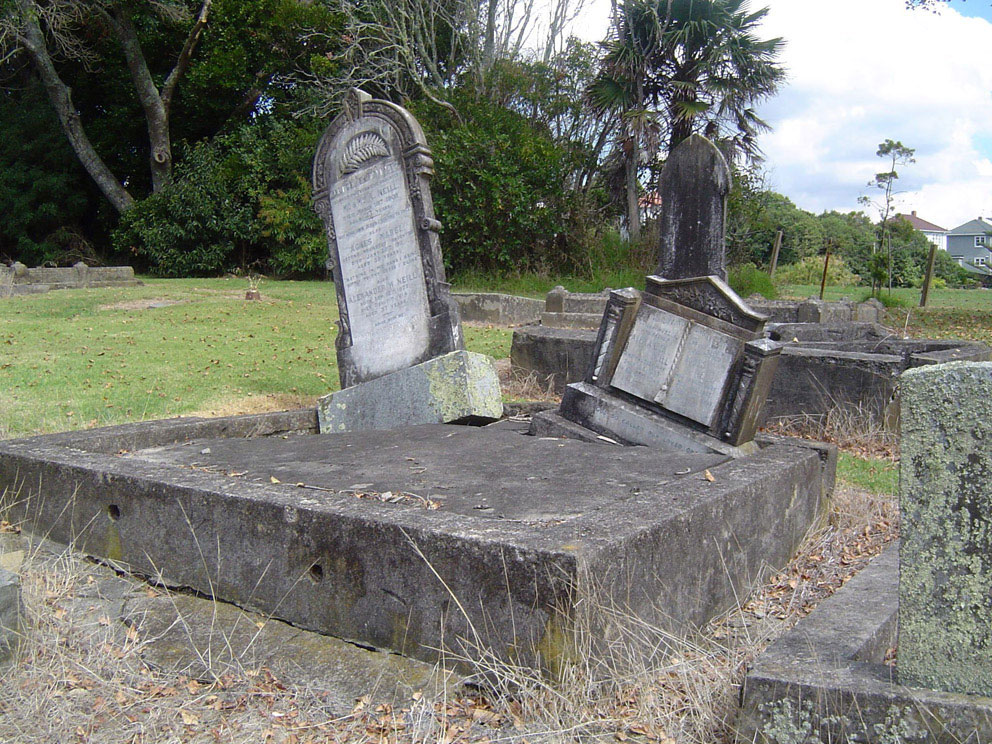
676,556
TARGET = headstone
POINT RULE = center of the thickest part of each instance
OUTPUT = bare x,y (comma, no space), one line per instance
945,484
694,188
396,316
682,365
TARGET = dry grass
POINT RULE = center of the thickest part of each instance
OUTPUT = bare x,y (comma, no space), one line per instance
520,384
236,406
852,428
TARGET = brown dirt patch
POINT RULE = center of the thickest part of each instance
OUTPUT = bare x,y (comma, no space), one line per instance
142,304
256,404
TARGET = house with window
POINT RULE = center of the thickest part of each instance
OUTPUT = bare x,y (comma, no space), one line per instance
934,233
970,245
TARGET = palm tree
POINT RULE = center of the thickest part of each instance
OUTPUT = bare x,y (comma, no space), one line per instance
686,65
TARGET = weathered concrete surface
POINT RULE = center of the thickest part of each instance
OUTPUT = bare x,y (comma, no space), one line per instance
558,356
825,681
818,311
624,419
460,386
523,527
11,613
498,309
945,499
571,320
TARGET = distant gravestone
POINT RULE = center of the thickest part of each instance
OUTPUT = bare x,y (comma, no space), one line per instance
945,573
396,315
694,188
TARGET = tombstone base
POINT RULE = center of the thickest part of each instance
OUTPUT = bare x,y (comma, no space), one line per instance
458,387
594,409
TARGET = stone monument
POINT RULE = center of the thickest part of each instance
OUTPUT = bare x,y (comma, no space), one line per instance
682,365
945,565
694,187
401,356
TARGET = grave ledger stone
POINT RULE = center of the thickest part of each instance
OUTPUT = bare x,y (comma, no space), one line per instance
401,356
945,562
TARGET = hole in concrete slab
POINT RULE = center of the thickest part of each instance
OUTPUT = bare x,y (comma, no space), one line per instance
316,573
114,512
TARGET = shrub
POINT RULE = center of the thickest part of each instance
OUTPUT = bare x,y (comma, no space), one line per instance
499,189
810,271
239,200
747,279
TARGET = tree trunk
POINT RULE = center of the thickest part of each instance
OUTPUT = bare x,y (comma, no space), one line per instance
61,98
633,208
156,112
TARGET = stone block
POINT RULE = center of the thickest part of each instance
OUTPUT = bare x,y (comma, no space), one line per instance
498,309
11,613
460,386
945,482
555,355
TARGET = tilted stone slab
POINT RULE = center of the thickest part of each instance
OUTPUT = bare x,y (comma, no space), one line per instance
462,386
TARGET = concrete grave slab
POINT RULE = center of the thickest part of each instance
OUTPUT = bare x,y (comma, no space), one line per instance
421,538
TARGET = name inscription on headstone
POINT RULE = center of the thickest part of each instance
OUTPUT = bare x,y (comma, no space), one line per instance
681,365
381,267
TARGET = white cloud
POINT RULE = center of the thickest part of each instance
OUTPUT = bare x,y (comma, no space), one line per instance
860,72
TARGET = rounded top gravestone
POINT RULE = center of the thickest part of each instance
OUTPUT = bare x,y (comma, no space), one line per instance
371,189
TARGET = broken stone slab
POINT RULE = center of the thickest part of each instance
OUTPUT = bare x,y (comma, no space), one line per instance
461,386
826,680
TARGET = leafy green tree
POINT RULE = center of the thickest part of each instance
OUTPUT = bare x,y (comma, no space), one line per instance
896,153
46,199
87,53
499,189
240,200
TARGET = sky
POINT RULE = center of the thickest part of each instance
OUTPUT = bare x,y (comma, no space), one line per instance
863,71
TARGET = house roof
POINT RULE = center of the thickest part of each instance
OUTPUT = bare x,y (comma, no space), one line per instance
973,227
920,224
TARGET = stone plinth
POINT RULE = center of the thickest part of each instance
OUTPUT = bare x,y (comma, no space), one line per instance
461,386
945,482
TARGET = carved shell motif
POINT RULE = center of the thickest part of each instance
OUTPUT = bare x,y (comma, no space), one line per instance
361,149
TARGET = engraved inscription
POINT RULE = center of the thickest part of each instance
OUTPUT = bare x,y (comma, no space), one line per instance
648,359
380,268
681,365
701,374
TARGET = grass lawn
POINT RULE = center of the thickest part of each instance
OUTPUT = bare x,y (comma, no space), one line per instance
73,359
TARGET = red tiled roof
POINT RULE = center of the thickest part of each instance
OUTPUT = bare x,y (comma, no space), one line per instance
919,224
